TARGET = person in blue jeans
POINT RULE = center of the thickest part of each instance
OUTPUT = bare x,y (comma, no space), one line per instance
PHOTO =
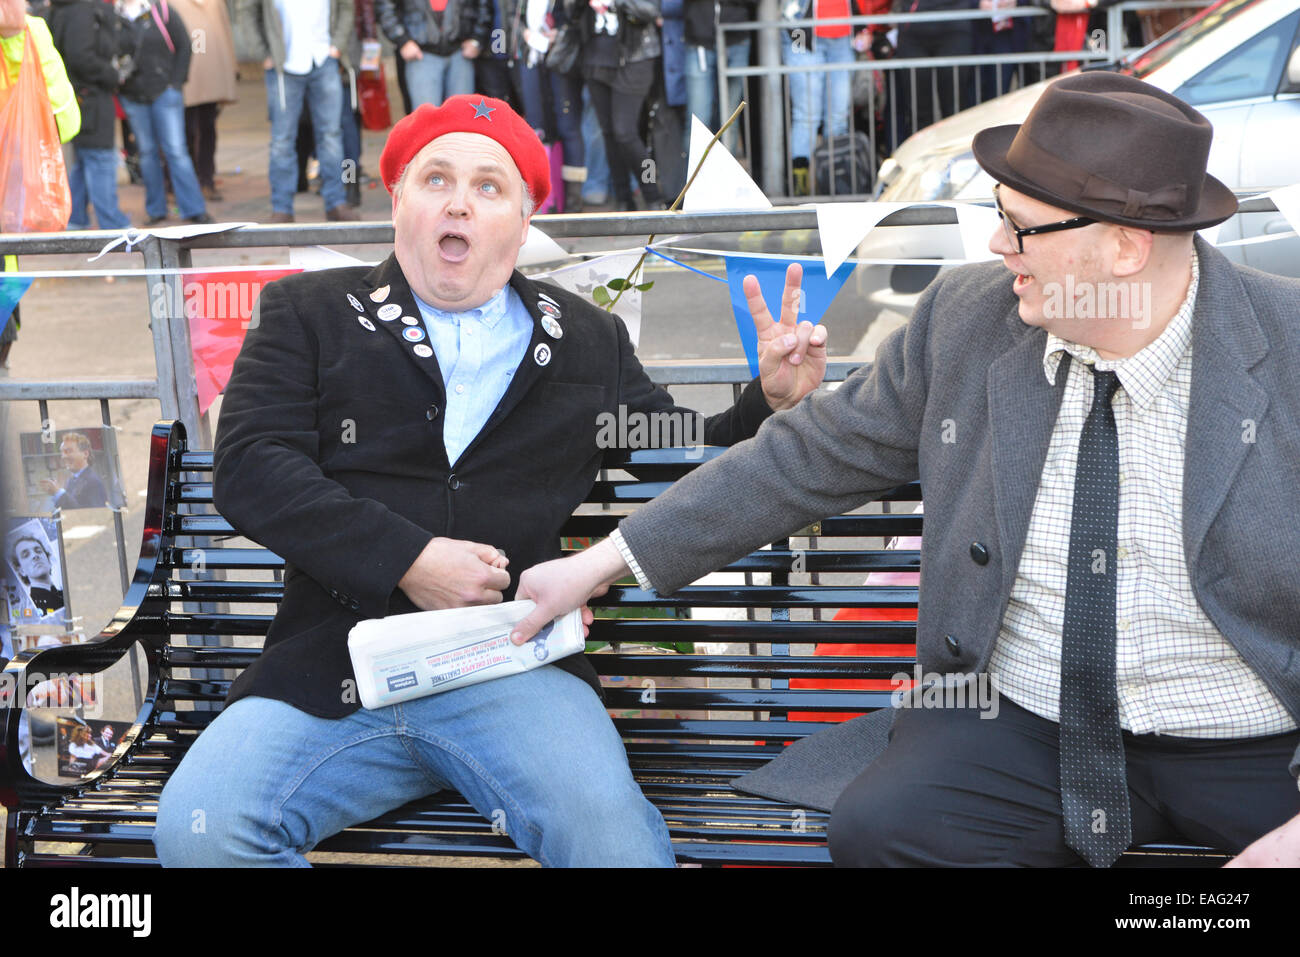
82,35
817,99
439,40
156,39
701,60
302,44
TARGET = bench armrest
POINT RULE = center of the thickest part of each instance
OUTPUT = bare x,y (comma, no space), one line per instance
137,620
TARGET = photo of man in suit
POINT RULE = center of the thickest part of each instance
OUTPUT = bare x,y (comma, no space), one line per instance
82,488
29,558
406,437
1110,499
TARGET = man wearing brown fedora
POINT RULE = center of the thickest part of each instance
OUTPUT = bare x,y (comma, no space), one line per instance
1108,446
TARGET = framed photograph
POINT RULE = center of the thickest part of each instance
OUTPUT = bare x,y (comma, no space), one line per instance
84,745
33,580
71,468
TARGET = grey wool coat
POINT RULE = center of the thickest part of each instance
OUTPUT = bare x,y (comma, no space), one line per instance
966,362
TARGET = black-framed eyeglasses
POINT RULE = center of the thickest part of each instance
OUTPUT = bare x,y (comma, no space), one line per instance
1016,234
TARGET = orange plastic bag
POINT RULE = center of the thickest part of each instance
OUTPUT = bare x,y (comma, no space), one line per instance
33,179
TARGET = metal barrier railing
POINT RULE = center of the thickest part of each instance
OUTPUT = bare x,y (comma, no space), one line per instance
926,79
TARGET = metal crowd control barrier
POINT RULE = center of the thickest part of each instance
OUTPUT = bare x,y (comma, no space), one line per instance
968,88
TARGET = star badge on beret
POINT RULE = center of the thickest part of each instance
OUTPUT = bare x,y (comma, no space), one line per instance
482,109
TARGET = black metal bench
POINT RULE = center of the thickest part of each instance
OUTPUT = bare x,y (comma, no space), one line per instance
728,711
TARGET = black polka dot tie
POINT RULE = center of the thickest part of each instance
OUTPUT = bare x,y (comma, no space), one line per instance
1094,788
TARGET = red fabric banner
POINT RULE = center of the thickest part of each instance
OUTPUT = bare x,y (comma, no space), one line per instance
219,307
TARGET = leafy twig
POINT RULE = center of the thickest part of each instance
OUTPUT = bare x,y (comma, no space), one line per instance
620,285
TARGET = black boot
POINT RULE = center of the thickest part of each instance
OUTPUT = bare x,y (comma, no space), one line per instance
573,197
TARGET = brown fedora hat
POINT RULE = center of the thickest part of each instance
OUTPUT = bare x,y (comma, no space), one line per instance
1115,148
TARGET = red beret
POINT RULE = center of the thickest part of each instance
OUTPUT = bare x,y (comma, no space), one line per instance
468,113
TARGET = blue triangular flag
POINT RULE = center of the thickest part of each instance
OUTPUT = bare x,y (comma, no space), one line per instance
818,293
11,290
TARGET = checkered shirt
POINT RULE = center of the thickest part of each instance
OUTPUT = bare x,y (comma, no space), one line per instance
1175,673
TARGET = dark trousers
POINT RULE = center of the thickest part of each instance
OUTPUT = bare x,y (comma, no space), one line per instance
201,135
553,107
931,40
492,76
955,789
618,94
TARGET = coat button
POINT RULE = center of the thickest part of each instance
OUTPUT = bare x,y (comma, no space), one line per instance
453,483
979,552
355,604
431,413
954,646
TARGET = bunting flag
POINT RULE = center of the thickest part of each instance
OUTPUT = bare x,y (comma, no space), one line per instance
977,224
219,307
841,227
721,183
818,292
1287,200
11,290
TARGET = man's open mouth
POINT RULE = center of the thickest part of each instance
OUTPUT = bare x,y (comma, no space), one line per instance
454,247
1022,281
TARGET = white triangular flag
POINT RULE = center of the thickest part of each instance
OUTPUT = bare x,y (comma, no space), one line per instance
321,257
539,248
976,224
842,227
582,278
722,183
1287,201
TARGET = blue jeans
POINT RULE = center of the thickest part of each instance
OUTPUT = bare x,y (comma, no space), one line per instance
535,753
433,78
93,180
285,93
807,99
702,85
160,125
597,187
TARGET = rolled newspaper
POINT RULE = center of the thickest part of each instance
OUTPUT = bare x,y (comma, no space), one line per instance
409,656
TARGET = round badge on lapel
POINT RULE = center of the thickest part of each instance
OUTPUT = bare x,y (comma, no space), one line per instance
366,323
356,303
380,294
410,321
549,309
423,351
552,327
412,334
548,298
389,312
542,354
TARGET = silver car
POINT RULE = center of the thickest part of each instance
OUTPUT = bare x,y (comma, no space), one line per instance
1238,62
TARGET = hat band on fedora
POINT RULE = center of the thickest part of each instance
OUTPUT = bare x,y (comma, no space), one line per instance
1077,186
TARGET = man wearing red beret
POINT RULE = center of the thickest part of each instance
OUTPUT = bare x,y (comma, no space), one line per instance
408,438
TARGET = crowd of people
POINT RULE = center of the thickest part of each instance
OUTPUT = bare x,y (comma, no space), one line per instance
603,82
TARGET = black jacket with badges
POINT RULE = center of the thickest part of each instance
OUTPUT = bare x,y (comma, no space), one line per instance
330,453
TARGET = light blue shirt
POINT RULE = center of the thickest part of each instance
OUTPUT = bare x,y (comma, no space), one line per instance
478,352
305,25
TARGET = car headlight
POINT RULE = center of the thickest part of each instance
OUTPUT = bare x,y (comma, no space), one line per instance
948,180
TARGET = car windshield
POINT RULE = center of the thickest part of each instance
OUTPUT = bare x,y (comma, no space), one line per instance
1156,54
